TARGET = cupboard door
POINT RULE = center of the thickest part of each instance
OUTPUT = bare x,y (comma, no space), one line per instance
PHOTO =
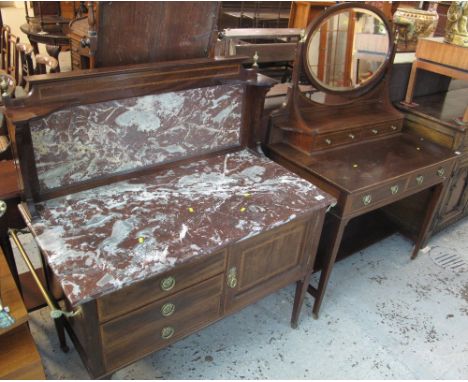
453,206
268,262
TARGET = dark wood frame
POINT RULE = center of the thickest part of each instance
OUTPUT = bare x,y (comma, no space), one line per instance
376,78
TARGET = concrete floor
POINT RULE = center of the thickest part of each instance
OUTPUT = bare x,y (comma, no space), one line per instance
383,316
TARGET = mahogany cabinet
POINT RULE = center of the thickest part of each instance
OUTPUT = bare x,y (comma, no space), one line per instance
156,312
153,212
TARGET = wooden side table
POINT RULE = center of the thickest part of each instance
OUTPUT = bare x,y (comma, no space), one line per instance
434,55
20,358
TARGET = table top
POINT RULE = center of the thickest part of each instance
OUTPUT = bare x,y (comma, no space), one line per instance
260,14
444,107
100,240
34,33
353,168
434,49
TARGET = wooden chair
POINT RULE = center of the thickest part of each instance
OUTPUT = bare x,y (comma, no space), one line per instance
4,37
9,53
26,53
44,64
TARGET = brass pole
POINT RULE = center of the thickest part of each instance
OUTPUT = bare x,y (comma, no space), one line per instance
56,312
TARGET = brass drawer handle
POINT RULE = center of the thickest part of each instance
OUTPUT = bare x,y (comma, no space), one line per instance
419,179
394,127
328,141
352,136
441,172
232,277
168,309
375,131
167,283
394,189
366,199
167,332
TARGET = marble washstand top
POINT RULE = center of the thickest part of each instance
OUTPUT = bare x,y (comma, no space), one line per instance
100,240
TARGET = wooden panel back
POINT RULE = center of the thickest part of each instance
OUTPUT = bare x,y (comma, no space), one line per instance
131,32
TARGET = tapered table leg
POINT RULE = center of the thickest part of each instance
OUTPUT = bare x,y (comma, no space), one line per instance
428,217
301,289
337,228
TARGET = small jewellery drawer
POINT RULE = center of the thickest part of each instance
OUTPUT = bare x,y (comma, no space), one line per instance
426,178
152,327
335,139
166,284
382,129
370,198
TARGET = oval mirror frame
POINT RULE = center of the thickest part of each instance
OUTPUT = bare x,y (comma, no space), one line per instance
317,23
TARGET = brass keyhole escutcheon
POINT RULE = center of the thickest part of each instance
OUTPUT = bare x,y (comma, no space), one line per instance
168,309
328,141
232,277
419,179
366,199
393,127
375,131
167,283
394,189
441,172
167,332
352,136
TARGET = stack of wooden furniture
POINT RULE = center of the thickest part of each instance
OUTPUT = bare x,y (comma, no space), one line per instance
179,221
20,358
348,138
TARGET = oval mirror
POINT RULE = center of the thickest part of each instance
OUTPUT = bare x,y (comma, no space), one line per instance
347,49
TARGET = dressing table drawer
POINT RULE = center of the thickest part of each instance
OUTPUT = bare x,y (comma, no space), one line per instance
335,139
371,197
148,329
382,129
429,177
153,289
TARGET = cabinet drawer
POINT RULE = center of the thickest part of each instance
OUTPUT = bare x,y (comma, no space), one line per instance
145,330
335,139
382,129
433,175
142,293
369,198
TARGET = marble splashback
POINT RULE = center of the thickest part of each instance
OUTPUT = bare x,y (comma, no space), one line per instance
100,240
88,141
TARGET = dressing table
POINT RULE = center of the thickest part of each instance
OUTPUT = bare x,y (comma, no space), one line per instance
346,136
153,212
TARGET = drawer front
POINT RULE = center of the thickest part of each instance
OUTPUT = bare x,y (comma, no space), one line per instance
147,291
429,177
128,338
370,198
325,141
382,129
